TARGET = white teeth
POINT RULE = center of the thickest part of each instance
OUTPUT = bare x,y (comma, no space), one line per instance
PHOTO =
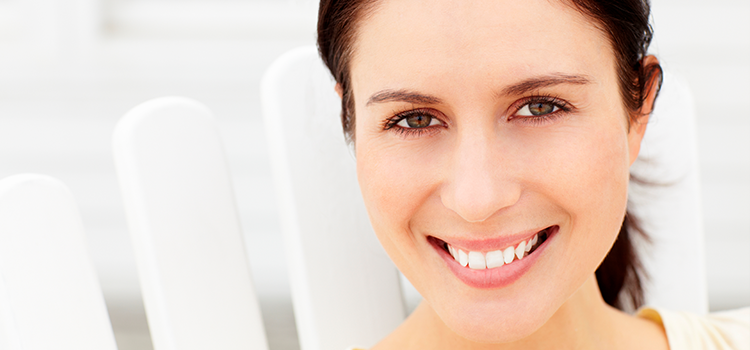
520,250
508,255
463,258
476,261
494,259
452,251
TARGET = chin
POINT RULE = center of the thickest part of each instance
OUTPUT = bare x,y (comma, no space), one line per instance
495,324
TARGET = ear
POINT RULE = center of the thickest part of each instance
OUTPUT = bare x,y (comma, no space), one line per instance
640,120
339,90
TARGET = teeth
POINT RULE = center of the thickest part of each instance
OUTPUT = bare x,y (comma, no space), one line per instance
508,255
495,259
463,258
452,251
520,250
476,261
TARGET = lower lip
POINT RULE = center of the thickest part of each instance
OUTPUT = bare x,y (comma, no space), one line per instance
497,277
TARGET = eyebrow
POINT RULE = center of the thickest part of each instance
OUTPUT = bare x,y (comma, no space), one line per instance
402,96
544,81
520,88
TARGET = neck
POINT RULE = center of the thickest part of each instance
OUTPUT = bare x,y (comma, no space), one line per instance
584,321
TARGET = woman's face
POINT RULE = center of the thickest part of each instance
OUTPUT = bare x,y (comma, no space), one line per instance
480,125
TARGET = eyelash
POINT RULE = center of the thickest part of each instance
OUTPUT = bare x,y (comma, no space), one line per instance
562,106
392,122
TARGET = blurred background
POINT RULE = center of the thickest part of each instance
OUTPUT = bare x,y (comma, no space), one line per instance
69,69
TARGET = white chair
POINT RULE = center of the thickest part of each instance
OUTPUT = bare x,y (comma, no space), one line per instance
345,292
50,296
345,289
194,274
670,207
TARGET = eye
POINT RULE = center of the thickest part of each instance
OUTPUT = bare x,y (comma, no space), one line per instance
537,108
418,121
415,122
540,110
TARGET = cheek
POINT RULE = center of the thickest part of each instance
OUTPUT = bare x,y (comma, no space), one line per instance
395,183
600,178
586,176
590,172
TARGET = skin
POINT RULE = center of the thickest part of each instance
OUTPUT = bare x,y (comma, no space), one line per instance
483,170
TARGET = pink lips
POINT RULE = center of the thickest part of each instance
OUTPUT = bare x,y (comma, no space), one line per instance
486,245
491,278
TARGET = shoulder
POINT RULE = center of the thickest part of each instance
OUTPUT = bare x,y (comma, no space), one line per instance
727,330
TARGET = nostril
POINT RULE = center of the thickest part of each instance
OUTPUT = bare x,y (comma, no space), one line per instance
470,204
477,195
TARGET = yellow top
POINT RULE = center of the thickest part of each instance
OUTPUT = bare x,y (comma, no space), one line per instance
726,330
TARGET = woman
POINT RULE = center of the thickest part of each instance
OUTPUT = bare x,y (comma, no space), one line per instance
493,141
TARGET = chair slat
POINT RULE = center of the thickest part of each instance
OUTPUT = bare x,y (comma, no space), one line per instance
185,229
50,296
345,289
670,207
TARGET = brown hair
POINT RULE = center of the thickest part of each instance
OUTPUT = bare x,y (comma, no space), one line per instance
625,22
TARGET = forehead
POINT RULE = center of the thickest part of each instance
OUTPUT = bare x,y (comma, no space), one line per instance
475,42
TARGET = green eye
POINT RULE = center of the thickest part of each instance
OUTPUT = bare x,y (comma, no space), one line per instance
534,109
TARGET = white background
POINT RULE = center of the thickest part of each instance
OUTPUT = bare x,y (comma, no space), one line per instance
69,69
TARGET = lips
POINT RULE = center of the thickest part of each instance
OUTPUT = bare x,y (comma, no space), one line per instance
493,259
494,268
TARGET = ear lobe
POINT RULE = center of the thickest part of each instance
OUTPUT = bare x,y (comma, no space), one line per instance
635,136
339,90
640,121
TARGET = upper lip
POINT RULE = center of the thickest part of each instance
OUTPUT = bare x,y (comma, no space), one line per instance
493,243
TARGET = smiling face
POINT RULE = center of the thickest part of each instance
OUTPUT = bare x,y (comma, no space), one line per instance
479,126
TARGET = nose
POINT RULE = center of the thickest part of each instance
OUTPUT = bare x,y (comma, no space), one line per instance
480,181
